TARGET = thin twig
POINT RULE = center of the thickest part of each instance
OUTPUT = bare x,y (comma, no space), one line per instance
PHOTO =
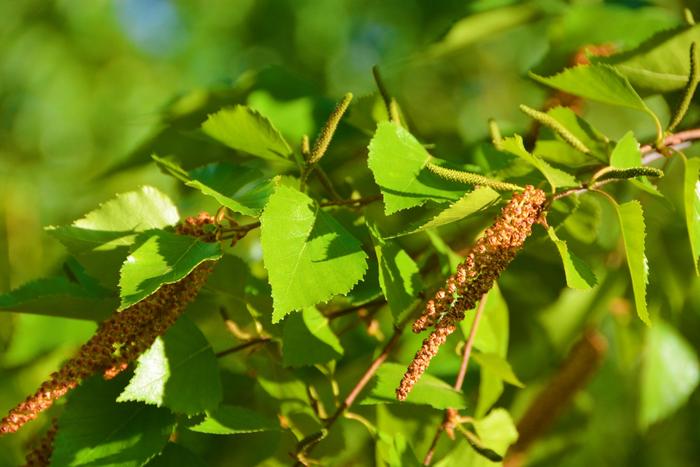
345,311
303,450
357,201
245,345
459,382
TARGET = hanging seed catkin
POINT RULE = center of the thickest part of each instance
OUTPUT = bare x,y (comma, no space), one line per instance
40,455
474,277
120,339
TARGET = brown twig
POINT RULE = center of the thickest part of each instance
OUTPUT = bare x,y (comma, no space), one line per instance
346,311
358,201
459,382
245,345
304,448
573,375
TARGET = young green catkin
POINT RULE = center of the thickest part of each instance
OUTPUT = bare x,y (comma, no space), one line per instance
474,277
120,339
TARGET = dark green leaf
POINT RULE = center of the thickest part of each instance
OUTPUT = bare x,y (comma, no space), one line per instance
578,274
308,340
399,276
179,371
232,420
57,296
241,189
176,455
94,429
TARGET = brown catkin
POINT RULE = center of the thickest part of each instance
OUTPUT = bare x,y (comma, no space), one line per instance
474,277
120,339
40,455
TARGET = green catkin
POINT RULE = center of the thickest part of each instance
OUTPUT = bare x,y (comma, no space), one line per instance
471,178
688,91
631,172
495,133
558,128
328,130
305,147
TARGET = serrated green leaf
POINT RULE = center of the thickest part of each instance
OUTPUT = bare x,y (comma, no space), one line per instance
242,189
399,275
626,153
578,274
429,390
176,455
691,203
471,203
631,218
179,371
232,420
499,366
308,255
161,257
601,83
669,375
57,296
94,429
659,64
556,178
243,129
116,221
397,161
308,339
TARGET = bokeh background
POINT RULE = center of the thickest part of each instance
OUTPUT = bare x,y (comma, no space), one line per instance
87,87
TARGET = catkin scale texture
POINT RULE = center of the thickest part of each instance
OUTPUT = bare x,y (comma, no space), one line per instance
120,339
474,277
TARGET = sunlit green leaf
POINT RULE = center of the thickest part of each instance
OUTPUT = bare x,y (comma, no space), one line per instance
244,129
691,203
159,258
308,255
398,161
179,371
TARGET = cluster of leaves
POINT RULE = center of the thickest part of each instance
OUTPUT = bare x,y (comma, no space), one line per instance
350,246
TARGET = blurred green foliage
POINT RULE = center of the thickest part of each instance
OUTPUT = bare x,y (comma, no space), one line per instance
90,89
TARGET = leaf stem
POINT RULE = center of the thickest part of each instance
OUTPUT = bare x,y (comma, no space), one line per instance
245,345
392,108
